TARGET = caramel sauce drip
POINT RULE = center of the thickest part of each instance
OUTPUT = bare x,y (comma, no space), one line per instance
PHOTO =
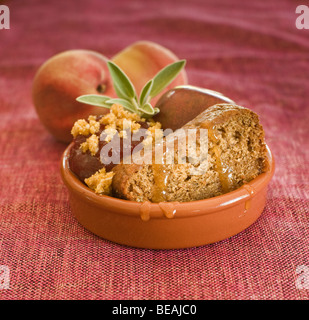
145,211
247,205
250,189
221,169
160,177
168,209
251,192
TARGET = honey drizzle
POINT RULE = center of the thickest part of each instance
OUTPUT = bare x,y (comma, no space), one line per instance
222,172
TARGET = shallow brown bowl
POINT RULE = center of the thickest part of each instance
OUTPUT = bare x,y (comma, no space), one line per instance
192,224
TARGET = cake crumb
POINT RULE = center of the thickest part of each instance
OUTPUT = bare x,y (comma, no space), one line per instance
91,144
121,113
121,119
94,126
117,120
82,127
109,131
154,133
108,119
101,182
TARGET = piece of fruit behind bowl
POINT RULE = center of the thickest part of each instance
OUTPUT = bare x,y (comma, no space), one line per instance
67,75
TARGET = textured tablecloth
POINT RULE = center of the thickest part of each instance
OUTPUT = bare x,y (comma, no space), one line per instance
249,50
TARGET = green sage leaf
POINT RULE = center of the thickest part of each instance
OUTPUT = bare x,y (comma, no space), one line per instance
125,103
147,109
145,92
94,100
164,77
122,84
156,110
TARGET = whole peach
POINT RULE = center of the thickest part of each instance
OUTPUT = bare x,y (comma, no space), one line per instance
60,80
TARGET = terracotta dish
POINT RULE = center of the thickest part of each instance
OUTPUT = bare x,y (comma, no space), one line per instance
167,225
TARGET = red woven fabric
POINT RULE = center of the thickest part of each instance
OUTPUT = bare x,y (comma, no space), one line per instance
249,50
